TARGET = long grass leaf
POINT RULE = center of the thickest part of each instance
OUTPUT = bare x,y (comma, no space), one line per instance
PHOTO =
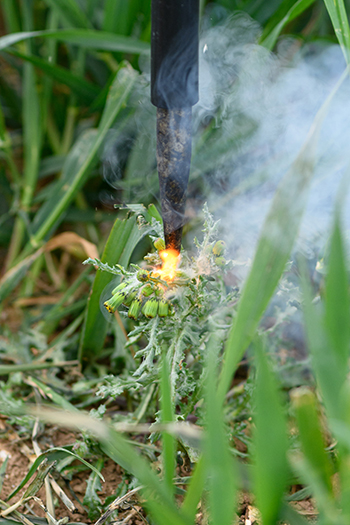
337,12
121,242
87,38
167,413
83,88
337,303
70,12
312,442
275,244
118,95
220,468
270,34
195,490
270,442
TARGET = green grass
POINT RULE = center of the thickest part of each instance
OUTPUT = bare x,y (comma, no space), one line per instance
71,81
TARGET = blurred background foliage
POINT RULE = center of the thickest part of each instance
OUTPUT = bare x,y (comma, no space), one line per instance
68,154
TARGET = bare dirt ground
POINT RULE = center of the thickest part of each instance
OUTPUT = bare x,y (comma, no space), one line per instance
21,456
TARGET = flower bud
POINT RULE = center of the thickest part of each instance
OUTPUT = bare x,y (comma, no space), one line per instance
159,244
118,288
147,290
219,248
115,301
220,261
150,308
135,308
129,298
142,275
163,309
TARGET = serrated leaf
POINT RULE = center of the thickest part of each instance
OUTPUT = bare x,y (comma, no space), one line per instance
91,498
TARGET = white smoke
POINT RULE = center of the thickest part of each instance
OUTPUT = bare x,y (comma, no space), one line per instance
262,105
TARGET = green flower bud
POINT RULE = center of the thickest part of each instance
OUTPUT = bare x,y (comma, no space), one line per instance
163,309
150,308
118,288
135,308
220,261
219,248
159,244
114,302
147,290
142,275
129,298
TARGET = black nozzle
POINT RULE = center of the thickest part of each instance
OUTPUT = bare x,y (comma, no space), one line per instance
174,53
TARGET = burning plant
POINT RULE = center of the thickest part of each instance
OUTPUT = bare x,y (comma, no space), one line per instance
176,301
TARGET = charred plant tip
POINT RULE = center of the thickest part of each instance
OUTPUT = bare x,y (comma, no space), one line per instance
135,308
219,248
117,289
159,244
114,302
150,308
142,275
163,308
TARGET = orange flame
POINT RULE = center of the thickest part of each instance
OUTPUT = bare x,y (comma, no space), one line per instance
170,260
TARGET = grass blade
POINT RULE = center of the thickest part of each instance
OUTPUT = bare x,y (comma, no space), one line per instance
328,334
337,12
220,468
167,414
119,92
195,490
312,442
70,13
87,38
81,87
274,247
54,453
121,242
337,304
270,442
276,23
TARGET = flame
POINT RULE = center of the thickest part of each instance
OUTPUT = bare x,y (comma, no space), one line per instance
170,260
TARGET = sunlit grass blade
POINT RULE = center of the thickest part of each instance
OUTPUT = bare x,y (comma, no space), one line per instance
270,442
274,247
87,38
276,23
220,470
312,441
339,18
